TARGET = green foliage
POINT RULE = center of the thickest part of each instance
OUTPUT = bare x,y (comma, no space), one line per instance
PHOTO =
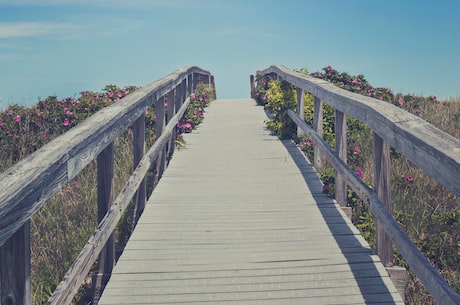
280,98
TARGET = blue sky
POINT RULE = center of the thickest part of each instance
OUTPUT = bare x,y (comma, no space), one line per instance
60,47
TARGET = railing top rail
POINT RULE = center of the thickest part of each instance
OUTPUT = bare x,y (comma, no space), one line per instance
431,149
26,186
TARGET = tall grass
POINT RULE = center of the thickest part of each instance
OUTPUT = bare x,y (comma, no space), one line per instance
63,226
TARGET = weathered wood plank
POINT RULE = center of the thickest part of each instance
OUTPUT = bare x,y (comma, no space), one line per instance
15,284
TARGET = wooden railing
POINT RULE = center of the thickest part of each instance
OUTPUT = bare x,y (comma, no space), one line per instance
432,150
28,185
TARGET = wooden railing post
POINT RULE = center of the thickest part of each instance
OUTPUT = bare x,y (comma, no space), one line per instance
213,87
300,109
253,87
105,177
319,161
159,127
139,150
15,285
190,83
382,182
171,112
195,80
341,150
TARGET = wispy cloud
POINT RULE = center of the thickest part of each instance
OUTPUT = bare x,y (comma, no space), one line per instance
31,29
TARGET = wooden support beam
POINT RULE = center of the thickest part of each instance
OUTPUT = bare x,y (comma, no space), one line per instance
15,282
341,151
300,109
319,160
139,150
105,179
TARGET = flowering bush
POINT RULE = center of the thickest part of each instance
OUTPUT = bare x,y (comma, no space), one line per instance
23,130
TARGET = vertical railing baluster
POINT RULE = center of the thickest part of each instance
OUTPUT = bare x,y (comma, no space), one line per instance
170,98
139,150
382,183
15,285
196,80
190,83
159,127
253,87
341,150
105,178
213,87
318,159
300,109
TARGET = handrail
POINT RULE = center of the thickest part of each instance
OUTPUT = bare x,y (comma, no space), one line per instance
28,185
434,151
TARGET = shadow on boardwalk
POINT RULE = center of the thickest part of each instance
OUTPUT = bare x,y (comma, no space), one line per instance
370,278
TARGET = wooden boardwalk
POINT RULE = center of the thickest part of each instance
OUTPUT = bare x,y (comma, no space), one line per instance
239,217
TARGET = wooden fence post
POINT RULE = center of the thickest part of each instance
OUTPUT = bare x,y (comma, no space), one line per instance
213,87
341,150
105,177
195,80
382,182
15,285
159,127
319,161
139,150
300,109
171,112
190,83
253,87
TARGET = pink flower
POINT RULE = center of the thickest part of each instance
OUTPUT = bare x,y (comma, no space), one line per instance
359,172
188,126
401,101
180,136
111,94
417,111
410,178
120,95
265,97
166,104
356,81
69,113
66,122
1,124
17,119
357,150
433,97
329,68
